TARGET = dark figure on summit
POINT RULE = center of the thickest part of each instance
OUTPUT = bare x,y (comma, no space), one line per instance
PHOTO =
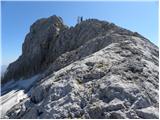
79,19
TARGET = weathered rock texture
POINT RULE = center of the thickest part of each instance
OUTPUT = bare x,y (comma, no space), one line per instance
93,70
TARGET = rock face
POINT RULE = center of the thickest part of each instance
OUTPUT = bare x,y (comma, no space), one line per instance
93,70
35,48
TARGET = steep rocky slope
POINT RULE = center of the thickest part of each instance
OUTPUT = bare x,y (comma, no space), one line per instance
93,70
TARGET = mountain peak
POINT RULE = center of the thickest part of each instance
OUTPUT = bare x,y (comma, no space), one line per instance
93,70
49,38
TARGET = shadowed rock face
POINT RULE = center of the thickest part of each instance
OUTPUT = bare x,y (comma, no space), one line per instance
35,48
93,70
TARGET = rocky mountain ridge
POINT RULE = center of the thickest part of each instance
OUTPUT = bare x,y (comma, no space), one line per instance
93,70
49,38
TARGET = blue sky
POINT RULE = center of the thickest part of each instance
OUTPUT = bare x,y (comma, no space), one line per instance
17,17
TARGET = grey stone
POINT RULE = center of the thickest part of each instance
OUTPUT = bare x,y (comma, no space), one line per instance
147,113
93,70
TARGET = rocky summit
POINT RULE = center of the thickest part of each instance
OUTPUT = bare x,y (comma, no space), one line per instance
95,69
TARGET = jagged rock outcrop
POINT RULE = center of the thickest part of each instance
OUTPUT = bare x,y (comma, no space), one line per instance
93,70
35,48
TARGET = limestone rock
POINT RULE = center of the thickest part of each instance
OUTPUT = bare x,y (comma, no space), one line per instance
93,70
147,113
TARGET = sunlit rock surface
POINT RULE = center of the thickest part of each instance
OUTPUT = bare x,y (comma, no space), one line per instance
93,70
